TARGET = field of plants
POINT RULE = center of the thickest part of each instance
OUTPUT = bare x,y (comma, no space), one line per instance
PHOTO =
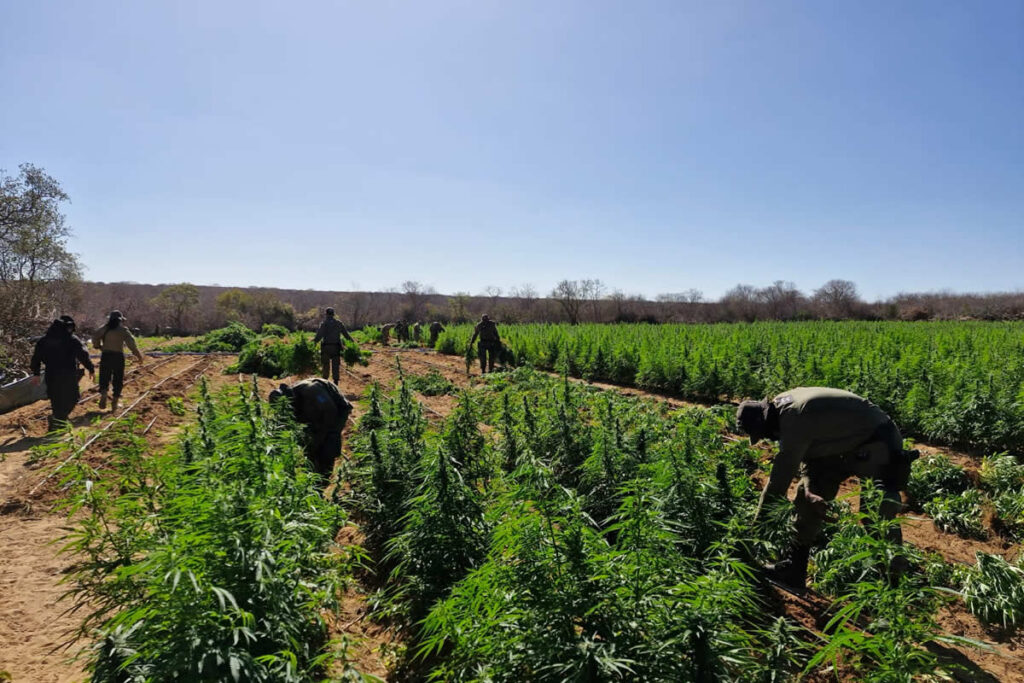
960,383
525,525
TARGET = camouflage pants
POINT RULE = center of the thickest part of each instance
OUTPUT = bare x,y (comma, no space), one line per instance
879,460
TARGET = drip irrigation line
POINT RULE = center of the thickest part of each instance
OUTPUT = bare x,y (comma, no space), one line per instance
92,439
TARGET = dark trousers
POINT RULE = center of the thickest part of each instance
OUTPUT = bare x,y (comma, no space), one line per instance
112,372
880,460
488,351
322,451
63,395
330,360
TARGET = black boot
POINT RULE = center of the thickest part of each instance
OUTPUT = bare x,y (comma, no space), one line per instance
792,569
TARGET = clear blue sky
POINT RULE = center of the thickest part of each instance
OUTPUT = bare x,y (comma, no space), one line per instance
659,146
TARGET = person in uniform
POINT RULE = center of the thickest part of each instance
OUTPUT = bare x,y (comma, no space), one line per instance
402,331
329,335
416,332
61,352
385,333
826,435
111,340
490,342
436,329
321,407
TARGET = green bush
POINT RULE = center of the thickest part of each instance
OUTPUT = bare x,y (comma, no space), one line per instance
959,514
232,338
214,562
994,591
272,330
935,475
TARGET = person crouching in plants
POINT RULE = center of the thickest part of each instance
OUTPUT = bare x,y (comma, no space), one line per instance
321,407
827,435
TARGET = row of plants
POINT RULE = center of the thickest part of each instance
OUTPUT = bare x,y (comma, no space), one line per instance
588,536
959,383
211,561
958,504
273,352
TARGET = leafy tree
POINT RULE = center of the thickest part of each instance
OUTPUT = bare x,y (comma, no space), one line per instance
38,275
177,301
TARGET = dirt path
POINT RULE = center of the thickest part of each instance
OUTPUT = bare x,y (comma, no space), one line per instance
34,627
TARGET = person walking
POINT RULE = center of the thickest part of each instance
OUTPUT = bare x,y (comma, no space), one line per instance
490,343
329,335
436,328
324,410
111,340
61,352
826,435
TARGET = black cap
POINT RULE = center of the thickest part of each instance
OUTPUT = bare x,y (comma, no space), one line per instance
752,419
116,315
329,311
68,321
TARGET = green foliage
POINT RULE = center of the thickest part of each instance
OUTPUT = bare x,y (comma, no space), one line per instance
272,330
213,561
353,355
176,405
278,357
232,338
994,591
1009,513
959,514
936,476
431,384
885,615
950,382
1001,473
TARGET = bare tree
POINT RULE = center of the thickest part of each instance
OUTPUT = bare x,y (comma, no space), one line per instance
781,300
569,295
837,298
740,303
591,291
416,297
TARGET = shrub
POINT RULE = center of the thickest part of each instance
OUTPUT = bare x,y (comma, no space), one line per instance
936,475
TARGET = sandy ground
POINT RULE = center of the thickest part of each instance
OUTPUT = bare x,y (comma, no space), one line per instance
35,629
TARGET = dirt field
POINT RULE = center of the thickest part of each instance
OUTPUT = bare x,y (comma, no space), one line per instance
35,630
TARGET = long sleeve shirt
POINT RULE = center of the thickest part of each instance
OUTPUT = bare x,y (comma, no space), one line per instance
818,422
331,331
61,355
115,339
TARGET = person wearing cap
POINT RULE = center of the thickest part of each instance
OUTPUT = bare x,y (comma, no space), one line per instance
490,342
324,410
329,335
826,435
111,340
61,352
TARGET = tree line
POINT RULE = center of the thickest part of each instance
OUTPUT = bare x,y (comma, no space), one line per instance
41,278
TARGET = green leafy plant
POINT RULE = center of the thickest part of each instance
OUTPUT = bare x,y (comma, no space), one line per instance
960,514
213,561
176,404
994,591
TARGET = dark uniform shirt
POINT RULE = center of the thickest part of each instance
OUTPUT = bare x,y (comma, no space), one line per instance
331,331
487,330
61,352
818,422
320,405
